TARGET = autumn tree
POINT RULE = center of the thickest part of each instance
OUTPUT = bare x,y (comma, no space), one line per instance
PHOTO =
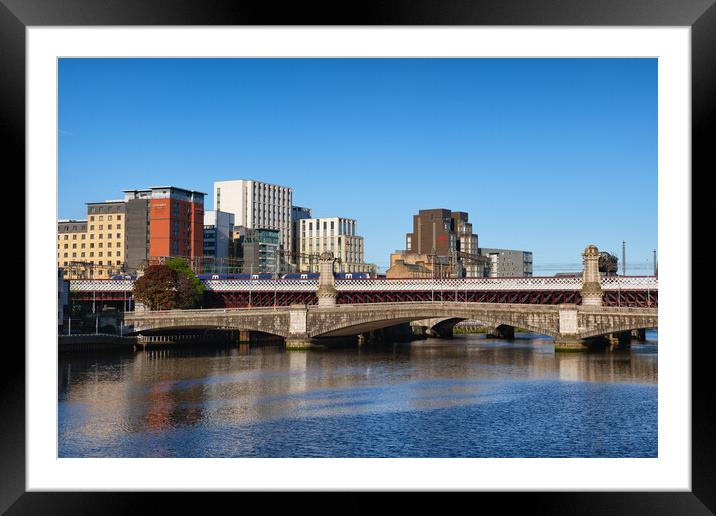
170,286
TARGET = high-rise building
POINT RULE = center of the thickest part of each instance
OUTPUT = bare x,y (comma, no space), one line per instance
258,250
507,262
443,240
163,221
106,236
257,205
72,247
218,226
335,234
433,233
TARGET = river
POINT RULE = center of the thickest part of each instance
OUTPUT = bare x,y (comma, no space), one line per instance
464,397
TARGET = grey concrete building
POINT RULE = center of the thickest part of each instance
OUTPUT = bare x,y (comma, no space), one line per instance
507,262
258,251
137,229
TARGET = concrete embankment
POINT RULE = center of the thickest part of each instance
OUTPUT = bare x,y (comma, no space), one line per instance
94,342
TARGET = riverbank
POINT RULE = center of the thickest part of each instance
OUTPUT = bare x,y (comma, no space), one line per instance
95,342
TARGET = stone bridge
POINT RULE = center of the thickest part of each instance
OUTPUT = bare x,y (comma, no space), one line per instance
301,325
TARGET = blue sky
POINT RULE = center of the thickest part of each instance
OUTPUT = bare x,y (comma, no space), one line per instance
546,155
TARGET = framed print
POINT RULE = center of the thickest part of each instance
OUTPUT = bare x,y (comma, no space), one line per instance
308,356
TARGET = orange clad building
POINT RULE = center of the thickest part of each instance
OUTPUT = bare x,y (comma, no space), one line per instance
164,221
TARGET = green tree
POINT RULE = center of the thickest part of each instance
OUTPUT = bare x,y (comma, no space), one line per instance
192,289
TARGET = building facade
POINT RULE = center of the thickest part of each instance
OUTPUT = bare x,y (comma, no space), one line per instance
164,221
443,240
106,236
218,229
335,234
258,250
507,262
257,205
298,213
72,247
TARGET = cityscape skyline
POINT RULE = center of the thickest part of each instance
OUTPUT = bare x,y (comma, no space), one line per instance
349,136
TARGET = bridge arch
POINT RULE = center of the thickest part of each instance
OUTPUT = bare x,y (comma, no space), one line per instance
235,327
616,329
367,320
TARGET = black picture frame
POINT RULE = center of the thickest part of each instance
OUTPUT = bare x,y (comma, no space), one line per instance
700,15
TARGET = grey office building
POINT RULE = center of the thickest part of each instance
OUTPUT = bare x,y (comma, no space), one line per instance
507,262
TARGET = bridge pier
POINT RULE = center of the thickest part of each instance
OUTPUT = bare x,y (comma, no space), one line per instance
503,331
620,340
569,343
638,334
299,342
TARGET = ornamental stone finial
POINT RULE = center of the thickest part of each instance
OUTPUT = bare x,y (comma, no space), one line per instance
591,279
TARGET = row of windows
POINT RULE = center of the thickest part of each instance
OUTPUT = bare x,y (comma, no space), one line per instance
82,246
65,263
66,229
82,255
101,227
107,209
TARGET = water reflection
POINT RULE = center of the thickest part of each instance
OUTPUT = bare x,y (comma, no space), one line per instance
194,402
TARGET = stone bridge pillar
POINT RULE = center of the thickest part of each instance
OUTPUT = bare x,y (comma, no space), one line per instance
591,279
568,338
298,328
327,292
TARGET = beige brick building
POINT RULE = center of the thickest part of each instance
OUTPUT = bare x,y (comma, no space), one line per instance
71,244
105,237
95,247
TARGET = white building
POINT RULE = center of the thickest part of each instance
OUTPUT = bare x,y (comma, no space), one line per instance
334,234
257,205
218,226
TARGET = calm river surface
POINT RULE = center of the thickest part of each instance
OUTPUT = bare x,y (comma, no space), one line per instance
465,397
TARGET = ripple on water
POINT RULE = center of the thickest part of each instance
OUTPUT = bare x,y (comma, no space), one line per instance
469,397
